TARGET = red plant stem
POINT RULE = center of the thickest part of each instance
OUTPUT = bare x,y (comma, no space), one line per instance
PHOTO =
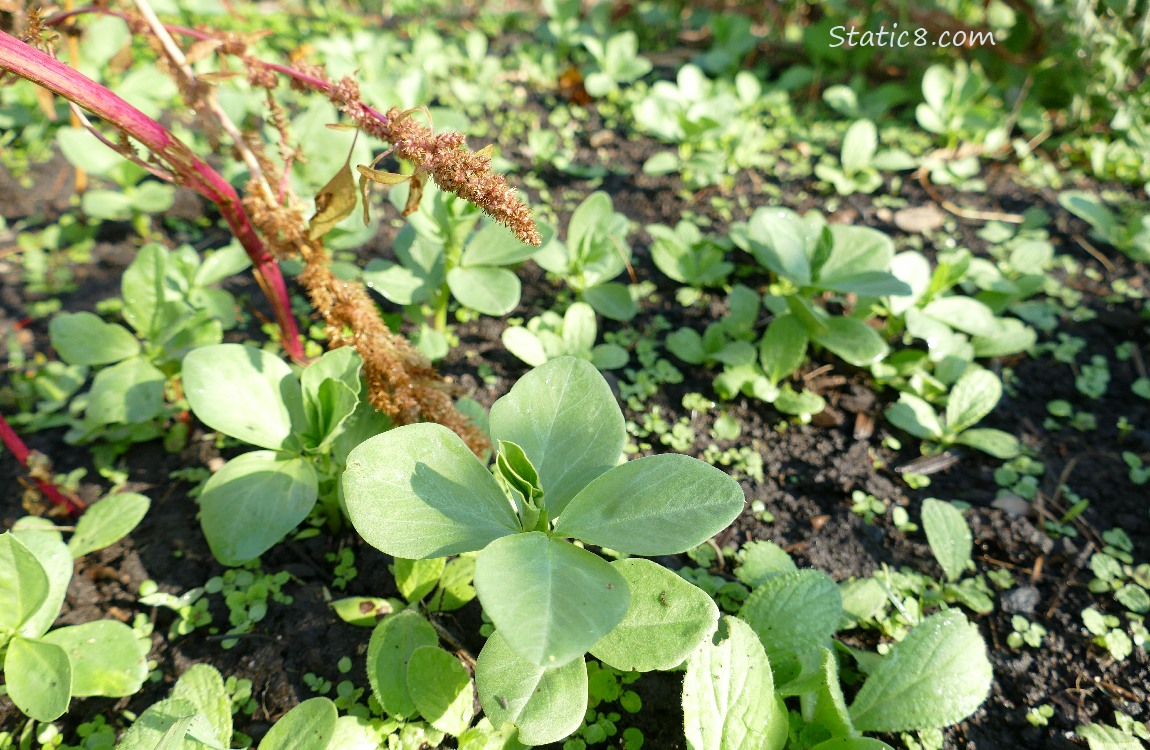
13,442
190,170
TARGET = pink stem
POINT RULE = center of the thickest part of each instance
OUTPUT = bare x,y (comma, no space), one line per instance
46,71
13,442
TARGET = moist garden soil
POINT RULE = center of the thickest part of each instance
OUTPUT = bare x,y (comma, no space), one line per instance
810,473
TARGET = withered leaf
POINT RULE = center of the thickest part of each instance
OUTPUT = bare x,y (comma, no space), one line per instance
333,203
383,177
415,193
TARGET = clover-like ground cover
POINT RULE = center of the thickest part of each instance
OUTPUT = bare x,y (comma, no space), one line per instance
809,494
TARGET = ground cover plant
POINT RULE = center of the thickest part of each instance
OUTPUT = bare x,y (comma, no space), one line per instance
788,391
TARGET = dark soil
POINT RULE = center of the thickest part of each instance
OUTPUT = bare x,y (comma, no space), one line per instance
810,474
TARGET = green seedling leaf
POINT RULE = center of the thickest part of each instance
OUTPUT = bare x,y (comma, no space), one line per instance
245,393
525,345
852,340
84,339
656,505
485,289
546,704
972,398
38,677
41,537
144,289
949,536
565,418
611,300
107,522
859,145
416,578
354,733
794,616
994,442
914,415
852,743
365,611
130,392
334,202
418,491
761,560
579,327
963,314
330,389
483,736
1102,737
106,657
936,676
551,600
494,245
163,726
455,587
783,348
666,620
441,688
308,726
203,687
253,502
221,264
24,585
728,692
781,241
392,643
830,708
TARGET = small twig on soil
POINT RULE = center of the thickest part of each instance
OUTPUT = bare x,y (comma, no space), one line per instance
1098,256
972,214
226,636
1121,692
1086,552
1139,363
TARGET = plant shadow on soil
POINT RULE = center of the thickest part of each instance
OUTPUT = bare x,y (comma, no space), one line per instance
810,472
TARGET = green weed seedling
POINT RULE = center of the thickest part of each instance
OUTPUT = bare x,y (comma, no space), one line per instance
861,161
684,254
1025,632
549,336
171,308
617,63
306,424
418,492
1126,230
43,668
971,399
595,253
441,259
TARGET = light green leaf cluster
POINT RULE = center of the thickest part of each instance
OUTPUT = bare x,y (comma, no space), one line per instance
417,492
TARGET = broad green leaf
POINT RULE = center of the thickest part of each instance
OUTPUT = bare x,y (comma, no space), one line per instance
852,340
342,365
914,415
587,220
728,692
546,704
783,348
392,643
525,345
761,560
130,392
666,620
687,345
855,251
1013,337
830,708
38,677
936,676
203,687
354,733
565,418
455,587
995,442
23,584
308,726
163,726
656,505
418,491
972,398
245,393
107,522
144,289
84,339
611,300
221,264
494,245
107,657
551,600
397,283
868,284
485,289
416,578
253,502
781,241
794,615
859,145
1102,737
41,537
441,688
949,536
963,314
579,327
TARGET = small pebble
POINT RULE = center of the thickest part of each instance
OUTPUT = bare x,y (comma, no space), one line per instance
1012,504
1021,600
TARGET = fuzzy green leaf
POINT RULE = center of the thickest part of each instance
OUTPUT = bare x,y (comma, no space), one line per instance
84,339
392,643
794,615
108,521
949,536
441,688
